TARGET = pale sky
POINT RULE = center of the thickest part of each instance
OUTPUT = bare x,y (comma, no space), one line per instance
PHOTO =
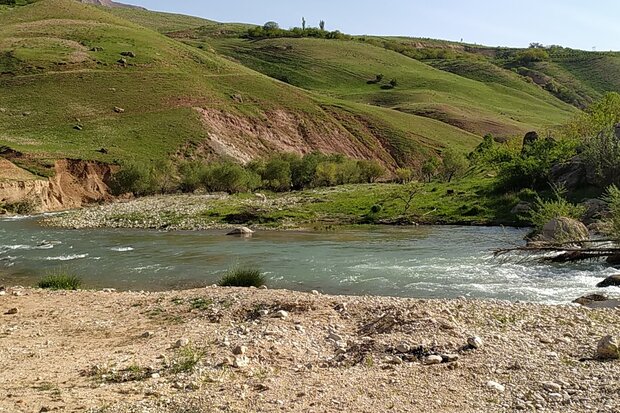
582,24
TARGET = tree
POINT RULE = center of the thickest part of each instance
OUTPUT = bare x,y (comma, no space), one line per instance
303,23
277,174
271,26
322,25
370,171
430,168
406,195
454,164
404,175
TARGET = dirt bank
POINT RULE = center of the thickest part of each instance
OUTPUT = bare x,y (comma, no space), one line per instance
232,350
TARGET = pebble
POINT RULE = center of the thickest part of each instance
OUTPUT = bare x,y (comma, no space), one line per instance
240,350
474,342
263,313
430,360
12,311
493,385
552,387
450,358
148,334
282,314
335,337
241,362
182,342
315,292
403,348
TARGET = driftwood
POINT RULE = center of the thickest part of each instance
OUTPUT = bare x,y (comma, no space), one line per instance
571,251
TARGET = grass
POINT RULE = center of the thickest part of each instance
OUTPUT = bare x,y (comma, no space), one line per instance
186,360
60,281
243,277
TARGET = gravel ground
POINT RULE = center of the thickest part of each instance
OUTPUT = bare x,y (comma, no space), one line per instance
249,350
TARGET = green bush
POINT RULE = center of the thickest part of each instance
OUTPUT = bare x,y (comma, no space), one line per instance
243,277
60,281
229,177
142,179
192,175
612,197
370,171
544,211
601,155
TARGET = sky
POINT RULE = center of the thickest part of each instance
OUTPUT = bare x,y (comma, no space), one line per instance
580,24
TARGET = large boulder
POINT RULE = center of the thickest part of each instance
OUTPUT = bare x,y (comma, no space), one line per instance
611,281
530,138
563,230
608,349
571,174
595,210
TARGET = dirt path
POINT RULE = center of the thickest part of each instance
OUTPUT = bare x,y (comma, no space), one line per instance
298,352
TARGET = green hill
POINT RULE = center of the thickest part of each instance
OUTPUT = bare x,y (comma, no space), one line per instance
68,92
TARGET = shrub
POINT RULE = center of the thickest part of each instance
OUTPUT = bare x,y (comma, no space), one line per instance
601,155
229,177
370,171
430,167
612,197
25,207
192,175
404,175
454,164
142,179
326,174
277,175
60,281
557,207
243,277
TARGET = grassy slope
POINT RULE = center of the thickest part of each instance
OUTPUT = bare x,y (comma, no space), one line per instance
52,81
342,68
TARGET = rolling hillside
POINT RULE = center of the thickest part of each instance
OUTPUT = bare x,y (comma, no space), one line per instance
80,82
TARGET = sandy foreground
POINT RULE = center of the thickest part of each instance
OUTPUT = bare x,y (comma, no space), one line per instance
249,350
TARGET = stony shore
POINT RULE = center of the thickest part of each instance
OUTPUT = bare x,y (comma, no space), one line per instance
249,350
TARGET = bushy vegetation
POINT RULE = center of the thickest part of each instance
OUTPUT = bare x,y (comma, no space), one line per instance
612,197
273,30
60,281
544,210
243,277
279,173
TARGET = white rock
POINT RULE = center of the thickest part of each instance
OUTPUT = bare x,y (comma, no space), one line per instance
335,337
552,387
241,362
282,314
315,292
263,312
434,359
182,342
475,342
493,385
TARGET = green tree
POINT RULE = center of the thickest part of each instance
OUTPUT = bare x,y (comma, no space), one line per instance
430,168
404,175
322,25
370,171
303,23
271,26
277,175
454,164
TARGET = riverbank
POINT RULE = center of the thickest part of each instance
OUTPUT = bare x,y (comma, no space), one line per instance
237,350
464,203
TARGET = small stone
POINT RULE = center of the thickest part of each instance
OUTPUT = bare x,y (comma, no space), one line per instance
450,358
555,396
240,350
155,375
242,232
315,292
182,342
552,387
12,311
300,328
263,312
403,348
281,314
78,127
474,342
241,362
493,385
119,110
434,359
128,54
608,349
263,287
335,337
148,334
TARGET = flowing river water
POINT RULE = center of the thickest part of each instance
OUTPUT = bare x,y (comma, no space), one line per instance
420,262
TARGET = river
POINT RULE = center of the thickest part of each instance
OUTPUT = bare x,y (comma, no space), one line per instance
420,262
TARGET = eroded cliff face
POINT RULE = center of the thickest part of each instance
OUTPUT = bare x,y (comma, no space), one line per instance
75,183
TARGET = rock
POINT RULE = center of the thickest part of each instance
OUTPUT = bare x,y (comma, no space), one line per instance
262,197
450,358
119,110
570,174
590,298
474,342
611,281
613,260
12,311
335,337
530,138
241,362
493,385
242,232
78,127
521,208
182,342
155,375
128,54
148,334
96,49
434,359
263,312
564,229
552,387
122,61
403,348
237,98
281,314
608,349
240,350
595,210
